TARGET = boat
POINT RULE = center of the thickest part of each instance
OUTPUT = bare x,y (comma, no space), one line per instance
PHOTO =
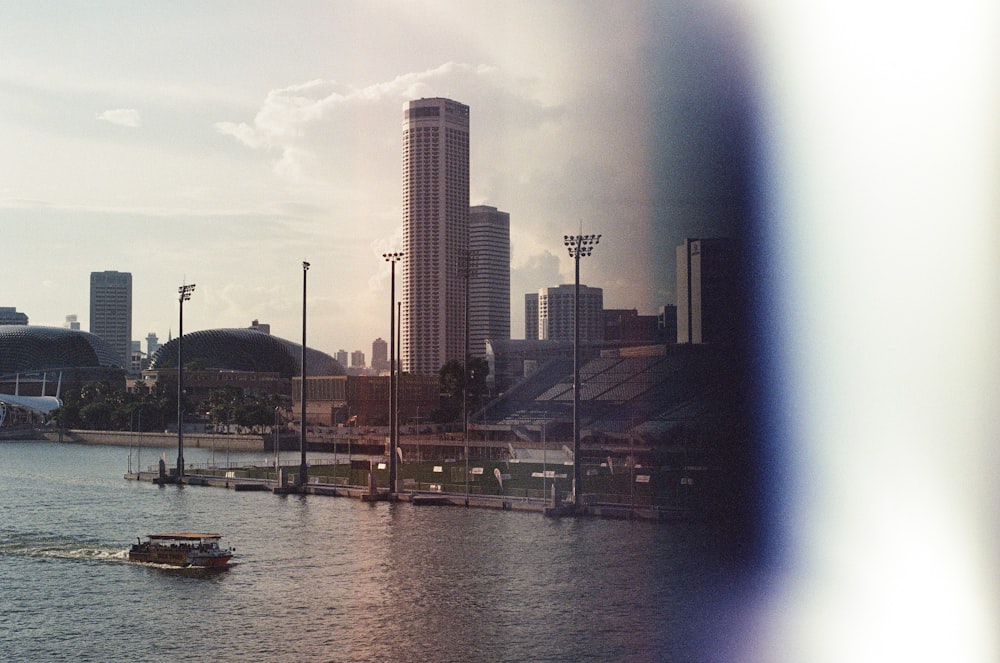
181,549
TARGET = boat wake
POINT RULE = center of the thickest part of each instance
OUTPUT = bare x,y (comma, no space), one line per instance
65,549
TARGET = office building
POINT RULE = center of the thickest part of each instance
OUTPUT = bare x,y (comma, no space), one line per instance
668,323
435,233
152,344
489,282
556,310
11,316
531,316
380,355
111,311
707,287
627,326
341,357
358,359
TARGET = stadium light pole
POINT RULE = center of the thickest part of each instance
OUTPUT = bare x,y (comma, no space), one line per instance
392,259
466,269
303,469
184,294
579,246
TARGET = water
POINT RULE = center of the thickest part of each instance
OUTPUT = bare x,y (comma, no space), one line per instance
335,579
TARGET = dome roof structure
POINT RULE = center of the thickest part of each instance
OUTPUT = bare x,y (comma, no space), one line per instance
25,349
246,350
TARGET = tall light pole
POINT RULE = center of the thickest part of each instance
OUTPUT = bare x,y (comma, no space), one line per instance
399,344
466,269
184,293
579,246
392,259
302,478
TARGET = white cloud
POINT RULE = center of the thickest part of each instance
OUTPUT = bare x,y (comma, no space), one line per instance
125,117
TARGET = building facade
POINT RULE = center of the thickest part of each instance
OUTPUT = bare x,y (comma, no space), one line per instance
380,355
11,316
707,291
556,313
363,400
531,316
152,344
435,233
358,359
627,326
111,310
489,281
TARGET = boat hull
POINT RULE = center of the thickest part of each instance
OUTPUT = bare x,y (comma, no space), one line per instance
177,558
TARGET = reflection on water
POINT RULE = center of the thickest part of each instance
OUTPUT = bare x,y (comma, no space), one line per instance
322,578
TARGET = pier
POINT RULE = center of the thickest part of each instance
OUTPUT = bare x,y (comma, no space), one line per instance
550,507
434,475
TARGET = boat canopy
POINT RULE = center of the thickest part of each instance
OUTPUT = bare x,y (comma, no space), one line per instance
185,536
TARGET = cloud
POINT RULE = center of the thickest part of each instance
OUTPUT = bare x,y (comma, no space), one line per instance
316,126
125,117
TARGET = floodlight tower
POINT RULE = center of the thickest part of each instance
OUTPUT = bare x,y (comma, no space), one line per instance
579,246
392,259
184,294
303,469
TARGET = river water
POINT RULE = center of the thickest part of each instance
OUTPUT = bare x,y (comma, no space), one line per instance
334,579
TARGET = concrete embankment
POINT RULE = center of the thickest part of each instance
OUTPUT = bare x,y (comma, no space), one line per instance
158,440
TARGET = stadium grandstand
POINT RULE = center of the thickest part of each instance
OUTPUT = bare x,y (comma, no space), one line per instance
652,399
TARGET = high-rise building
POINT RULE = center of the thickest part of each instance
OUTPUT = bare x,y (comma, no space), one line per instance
11,316
668,323
111,311
556,313
707,290
435,233
358,359
342,358
380,355
531,316
489,282
152,344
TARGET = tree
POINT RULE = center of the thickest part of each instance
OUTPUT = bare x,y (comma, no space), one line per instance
453,382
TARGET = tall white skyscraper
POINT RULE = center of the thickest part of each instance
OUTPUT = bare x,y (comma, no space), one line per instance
111,311
489,285
435,233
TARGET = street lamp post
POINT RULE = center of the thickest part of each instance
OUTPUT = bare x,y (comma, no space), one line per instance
302,478
184,294
392,259
579,246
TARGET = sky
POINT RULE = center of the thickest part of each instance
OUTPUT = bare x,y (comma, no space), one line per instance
852,145
223,143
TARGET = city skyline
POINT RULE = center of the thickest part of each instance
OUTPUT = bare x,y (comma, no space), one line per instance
127,154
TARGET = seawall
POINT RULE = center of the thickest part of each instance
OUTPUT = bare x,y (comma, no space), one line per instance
168,440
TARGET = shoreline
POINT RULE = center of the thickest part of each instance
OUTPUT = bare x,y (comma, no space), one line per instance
156,440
